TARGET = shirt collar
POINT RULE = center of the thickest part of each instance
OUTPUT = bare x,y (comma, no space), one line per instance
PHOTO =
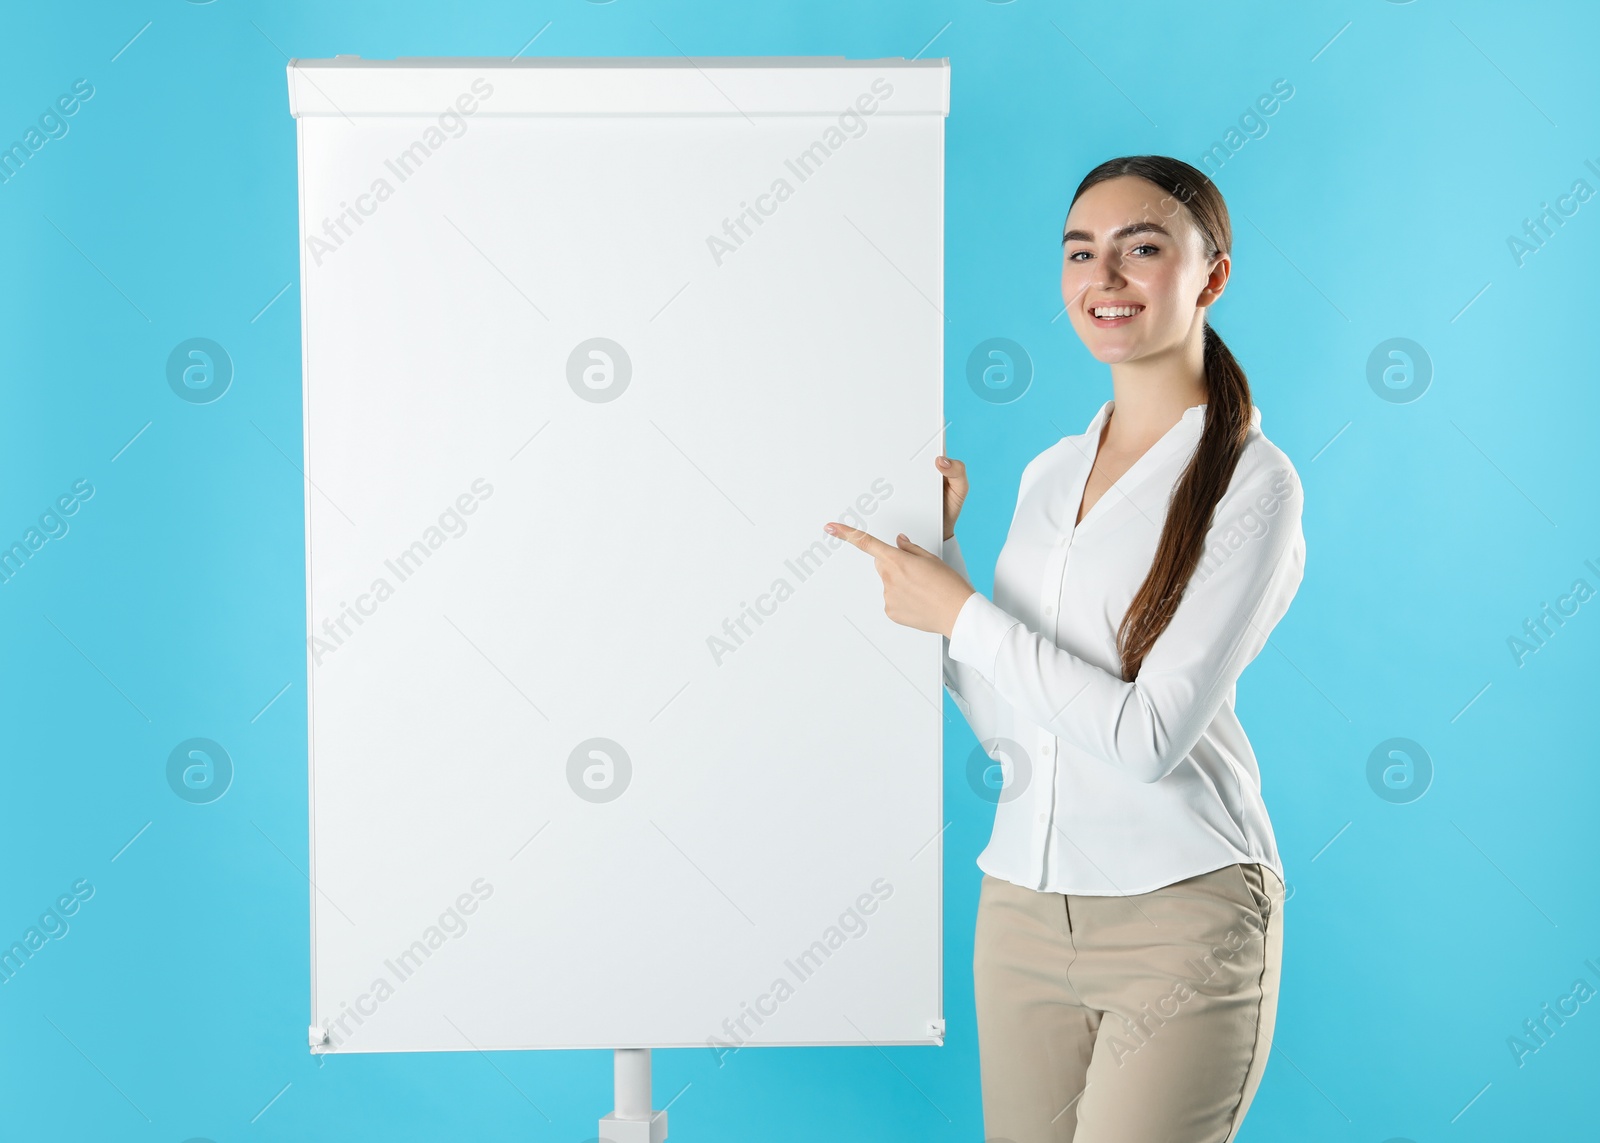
1194,414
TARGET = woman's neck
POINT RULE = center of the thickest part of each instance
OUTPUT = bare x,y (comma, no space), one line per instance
1151,395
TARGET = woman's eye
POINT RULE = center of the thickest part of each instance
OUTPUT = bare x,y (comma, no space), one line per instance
1074,256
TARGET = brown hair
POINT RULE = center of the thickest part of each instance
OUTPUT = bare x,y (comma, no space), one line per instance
1227,424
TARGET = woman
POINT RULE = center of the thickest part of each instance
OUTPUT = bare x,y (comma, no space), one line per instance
1129,929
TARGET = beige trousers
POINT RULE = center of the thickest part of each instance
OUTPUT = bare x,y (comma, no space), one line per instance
1136,1019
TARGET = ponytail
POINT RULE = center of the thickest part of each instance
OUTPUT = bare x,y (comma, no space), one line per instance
1193,504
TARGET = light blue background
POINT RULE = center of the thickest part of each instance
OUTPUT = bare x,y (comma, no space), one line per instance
1378,204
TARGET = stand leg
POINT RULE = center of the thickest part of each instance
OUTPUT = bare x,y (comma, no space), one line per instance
633,1121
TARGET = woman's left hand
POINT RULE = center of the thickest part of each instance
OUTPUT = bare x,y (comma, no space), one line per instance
919,589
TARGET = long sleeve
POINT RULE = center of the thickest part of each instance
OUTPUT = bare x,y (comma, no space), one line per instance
1255,558
974,695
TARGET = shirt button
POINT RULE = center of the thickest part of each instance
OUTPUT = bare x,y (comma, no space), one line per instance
1041,819
1049,609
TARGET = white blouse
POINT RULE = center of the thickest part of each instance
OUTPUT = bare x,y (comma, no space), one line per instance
1108,787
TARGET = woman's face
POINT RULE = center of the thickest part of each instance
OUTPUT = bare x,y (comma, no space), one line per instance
1129,243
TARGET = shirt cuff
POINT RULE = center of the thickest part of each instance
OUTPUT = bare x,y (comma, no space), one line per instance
979,628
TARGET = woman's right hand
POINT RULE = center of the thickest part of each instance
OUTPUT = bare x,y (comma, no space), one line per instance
955,491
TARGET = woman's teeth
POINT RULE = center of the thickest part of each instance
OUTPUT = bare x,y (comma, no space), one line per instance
1116,311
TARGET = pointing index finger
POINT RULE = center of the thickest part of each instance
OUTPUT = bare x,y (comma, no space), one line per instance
866,541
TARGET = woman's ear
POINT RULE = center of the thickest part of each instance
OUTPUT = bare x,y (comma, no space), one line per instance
1216,279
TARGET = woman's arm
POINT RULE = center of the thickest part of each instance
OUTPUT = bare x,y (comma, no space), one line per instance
1146,727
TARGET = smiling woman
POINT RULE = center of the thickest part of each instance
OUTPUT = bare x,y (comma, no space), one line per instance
1104,655
1141,844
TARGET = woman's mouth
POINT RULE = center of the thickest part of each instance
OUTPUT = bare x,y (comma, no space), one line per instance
1109,317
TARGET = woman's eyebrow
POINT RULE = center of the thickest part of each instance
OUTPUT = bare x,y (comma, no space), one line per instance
1122,232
